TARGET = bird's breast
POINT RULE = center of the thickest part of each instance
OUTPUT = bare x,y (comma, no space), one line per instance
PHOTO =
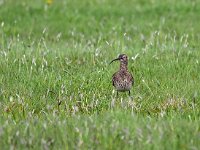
123,85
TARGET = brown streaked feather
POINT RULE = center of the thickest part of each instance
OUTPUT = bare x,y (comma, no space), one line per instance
122,80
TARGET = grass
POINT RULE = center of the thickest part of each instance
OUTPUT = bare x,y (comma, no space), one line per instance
55,81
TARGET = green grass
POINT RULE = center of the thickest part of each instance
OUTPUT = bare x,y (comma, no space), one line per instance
55,77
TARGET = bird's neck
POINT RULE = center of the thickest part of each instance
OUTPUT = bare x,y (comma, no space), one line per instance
123,66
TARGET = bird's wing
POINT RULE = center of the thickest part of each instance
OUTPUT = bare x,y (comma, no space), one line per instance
131,78
114,79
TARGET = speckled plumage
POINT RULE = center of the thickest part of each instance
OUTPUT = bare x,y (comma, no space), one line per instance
122,79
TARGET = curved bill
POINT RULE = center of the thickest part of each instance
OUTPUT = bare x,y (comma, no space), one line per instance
114,60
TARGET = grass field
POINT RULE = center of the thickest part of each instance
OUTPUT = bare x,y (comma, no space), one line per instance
55,77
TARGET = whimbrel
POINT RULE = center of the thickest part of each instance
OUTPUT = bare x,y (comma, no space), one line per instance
122,79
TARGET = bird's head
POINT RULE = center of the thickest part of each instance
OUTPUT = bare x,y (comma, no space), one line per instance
122,58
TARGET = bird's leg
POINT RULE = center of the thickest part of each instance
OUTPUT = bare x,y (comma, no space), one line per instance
129,93
117,94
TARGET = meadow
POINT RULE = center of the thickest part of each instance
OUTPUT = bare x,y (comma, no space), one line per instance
55,78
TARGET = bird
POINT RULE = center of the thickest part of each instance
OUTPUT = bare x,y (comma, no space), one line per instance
122,80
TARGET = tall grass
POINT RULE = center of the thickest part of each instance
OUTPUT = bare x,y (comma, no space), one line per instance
55,81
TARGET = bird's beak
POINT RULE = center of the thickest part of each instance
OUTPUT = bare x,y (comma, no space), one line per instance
114,60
